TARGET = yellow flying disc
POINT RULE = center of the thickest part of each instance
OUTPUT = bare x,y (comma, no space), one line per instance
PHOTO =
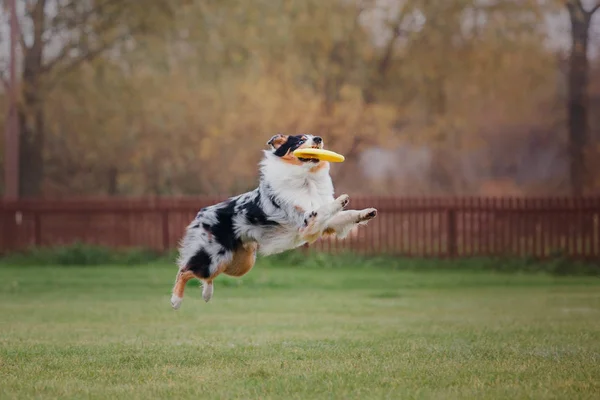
320,154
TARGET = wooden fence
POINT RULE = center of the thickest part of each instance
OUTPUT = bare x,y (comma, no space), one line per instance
426,227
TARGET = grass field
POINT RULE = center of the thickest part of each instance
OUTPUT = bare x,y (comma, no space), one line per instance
298,333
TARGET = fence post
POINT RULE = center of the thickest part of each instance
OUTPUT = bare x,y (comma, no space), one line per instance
165,230
37,229
452,240
3,231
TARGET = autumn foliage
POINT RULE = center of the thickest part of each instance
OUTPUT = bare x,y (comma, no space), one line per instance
179,97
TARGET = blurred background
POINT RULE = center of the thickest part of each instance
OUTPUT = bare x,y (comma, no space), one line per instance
178,97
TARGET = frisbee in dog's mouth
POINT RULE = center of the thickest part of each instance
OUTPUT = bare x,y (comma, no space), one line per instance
313,154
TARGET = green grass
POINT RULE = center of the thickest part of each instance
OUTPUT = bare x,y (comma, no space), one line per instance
298,333
81,254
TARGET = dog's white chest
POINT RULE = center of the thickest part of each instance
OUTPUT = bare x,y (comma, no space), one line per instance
313,197
310,193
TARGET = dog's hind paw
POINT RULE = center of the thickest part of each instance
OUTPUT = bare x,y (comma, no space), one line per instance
207,291
176,302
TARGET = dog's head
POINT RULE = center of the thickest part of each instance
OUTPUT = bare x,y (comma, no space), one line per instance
283,146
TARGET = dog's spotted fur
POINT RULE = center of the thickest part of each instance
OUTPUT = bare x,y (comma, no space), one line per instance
293,205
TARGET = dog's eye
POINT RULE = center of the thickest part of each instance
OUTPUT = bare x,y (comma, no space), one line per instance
302,141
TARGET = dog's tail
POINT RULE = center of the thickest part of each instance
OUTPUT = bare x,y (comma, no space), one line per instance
182,278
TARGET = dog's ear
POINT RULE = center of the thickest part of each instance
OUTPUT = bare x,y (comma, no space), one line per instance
277,140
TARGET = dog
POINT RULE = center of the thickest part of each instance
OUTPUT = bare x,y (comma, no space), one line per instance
293,205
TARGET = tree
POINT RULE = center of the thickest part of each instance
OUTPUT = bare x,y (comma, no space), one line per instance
56,38
577,101
168,110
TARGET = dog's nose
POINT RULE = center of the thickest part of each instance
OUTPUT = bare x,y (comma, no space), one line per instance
318,140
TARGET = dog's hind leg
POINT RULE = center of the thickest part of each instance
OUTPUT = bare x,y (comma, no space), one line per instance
242,261
207,290
182,278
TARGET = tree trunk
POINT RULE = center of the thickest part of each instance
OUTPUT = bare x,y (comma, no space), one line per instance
577,101
113,182
31,120
31,111
31,158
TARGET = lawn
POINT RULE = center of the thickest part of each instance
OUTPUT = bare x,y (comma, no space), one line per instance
298,333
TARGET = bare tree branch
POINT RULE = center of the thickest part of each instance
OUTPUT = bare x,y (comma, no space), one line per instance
384,63
56,24
89,55
106,25
38,17
22,41
2,58
397,32
4,7
573,5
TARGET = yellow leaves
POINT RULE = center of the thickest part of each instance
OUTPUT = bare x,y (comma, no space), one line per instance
201,99
206,149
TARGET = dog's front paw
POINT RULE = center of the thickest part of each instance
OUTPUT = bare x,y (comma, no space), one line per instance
309,217
366,215
342,201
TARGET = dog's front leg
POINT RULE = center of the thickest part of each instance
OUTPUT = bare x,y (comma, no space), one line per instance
316,221
345,221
